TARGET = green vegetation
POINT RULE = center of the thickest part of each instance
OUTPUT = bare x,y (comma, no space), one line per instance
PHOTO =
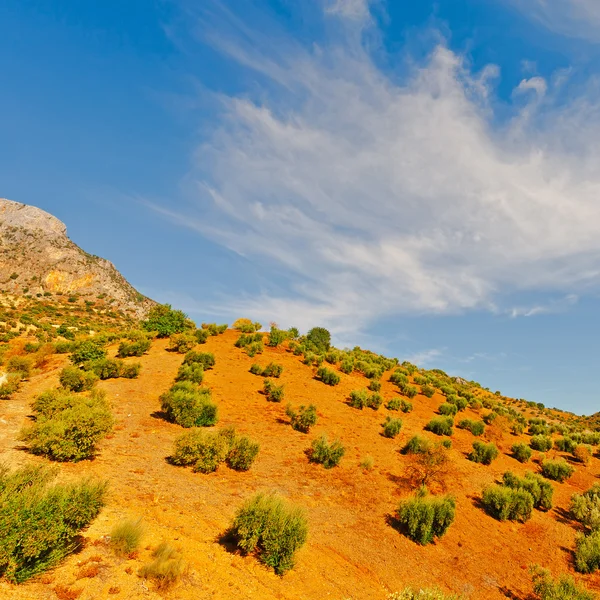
391,427
504,503
327,453
112,368
319,338
166,568
271,370
541,490
165,321
328,376
193,372
416,445
87,351
522,452
558,470
542,443
189,405
272,529
440,425
303,419
137,347
585,507
182,342
40,522
483,453
67,426
587,552
77,380
205,359
125,537
424,517
563,589
475,427
273,392
421,594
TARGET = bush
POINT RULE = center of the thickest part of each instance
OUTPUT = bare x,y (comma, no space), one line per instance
304,419
410,391
256,369
272,370
112,368
76,380
273,392
447,409
542,443
276,337
585,507
565,444
583,453
125,536
67,427
558,470
166,321
504,503
181,342
134,348
166,568
242,454
421,594
193,372
483,453
39,523
320,338
475,427
325,453
587,552
358,399
328,376
427,391
129,370
563,589
522,452
10,386
87,351
204,450
416,445
424,518
189,405
21,365
267,526
201,336
440,425
541,491
391,427
375,385
205,359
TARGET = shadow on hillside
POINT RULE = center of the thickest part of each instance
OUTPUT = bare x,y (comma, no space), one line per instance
564,516
228,541
513,596
159,414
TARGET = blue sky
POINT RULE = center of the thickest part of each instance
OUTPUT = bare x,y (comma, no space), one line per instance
419,177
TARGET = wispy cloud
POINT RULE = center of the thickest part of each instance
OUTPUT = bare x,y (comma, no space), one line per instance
375,197
425,357
551,307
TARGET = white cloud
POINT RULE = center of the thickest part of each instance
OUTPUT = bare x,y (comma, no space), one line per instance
425,357
351,9
575,18
373,197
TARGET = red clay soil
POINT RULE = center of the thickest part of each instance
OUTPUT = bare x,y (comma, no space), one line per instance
352,553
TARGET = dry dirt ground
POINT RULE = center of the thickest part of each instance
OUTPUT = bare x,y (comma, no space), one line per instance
352,551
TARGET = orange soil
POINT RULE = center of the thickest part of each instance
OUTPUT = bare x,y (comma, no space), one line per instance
351,553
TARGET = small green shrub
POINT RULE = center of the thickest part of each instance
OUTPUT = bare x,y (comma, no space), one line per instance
483,453
188,405
256,369
475,427
542,443
86,351
328,376
10,386
424,518
134,348
201,336
585,507
416,445
391,427
40,522
166,568
504,503
375,385
587,552
367,463
304,418
565,444
427,391
273,392
320,338
522,452
440,425
205,359
563,589
272,529
242,454
272,370
358,399
327,453
111,368
125,537
76,380
193,372
558,470
21,365
204,450
447,409
165,321
541,490
181,342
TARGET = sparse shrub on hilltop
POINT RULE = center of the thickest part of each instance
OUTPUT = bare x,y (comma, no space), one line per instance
188,405
271,528
181,342
272,391
134,348
254,348
205,359
328,376
504,503
67,427
166,321
327,453
541,490
77,380
542,443
246,326
410,391
201,336
193,372
483,453
475,427
585,507
248,339
303,419
440,425
424,517
564,588
587,552
427,463
558,470
276,337
522,452
391,427
213,329
374,401
358,398
40,522
319,338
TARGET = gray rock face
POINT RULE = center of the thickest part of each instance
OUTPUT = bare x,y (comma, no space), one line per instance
37,257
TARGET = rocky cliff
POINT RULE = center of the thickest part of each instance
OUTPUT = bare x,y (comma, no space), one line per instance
38,258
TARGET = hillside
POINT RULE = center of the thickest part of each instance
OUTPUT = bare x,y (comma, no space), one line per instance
38,259
353,551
